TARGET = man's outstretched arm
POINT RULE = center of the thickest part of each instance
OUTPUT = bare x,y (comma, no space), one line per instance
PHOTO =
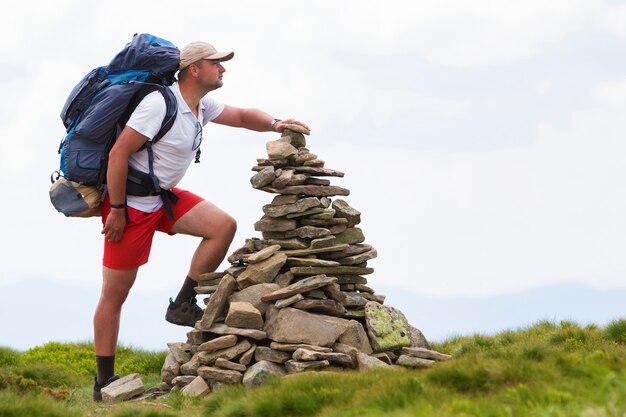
252,119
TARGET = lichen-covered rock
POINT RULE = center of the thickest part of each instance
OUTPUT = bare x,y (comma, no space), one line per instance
387,327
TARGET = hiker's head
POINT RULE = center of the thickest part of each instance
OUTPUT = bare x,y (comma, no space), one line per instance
197,56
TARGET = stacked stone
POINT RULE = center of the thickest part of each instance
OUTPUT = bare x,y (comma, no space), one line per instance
296,299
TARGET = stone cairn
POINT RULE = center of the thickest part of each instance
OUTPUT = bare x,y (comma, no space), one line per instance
297,299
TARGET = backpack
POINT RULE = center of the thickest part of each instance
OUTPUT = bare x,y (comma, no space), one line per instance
97,110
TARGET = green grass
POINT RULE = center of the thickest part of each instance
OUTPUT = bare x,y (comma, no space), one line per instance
548,369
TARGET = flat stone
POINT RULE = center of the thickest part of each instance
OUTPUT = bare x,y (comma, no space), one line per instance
263,177
123,389
324,215
292,243
323,222
412,362
322,242
380,299
355,300
355,314
282,280
253,294
356,336
247,356
290,325
310,262
217,302
296,128
299,206
297,179
220,375
294,367
283,179
285,302
170,368
314,163
308,232
351,279
262,255
366,362
337,229
343,209
271,224
277,149
243,315
305,252
332,357
261,372
417,338
350,250
299,287
235,270
351,235
292,347
423,353
304,156
364,288
209,358
273,235
320,172
210,278
309,190
183,380
334,292
329,307
219,328
317,294
181,351
262,272
206,289
317,181
357,259
387,327
284,199
191,367
297,139
264,353
196,388
218,343
310,212
330,270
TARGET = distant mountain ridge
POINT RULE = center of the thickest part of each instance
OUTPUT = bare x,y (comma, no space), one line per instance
442,318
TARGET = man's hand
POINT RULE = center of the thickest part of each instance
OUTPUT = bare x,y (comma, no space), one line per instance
282,125
114,225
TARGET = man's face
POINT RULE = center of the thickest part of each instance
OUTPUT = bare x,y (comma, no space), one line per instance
210,74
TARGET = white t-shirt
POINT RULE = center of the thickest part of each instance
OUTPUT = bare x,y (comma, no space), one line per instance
174,152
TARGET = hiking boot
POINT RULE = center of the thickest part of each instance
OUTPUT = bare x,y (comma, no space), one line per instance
97,395
186,313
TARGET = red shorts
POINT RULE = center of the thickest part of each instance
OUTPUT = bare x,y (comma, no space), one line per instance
133,249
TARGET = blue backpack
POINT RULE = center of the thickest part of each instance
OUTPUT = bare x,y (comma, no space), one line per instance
99,106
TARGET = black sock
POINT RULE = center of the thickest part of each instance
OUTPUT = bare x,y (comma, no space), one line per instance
187,291
106,368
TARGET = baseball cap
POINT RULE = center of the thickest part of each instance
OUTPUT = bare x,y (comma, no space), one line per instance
196,51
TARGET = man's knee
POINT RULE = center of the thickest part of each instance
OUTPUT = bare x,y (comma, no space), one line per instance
229,226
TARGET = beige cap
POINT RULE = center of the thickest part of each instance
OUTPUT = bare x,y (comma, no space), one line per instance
196,51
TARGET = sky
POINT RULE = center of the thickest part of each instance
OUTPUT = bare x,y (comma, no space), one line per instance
482,141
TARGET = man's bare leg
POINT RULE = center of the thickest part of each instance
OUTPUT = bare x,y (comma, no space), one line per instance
106,321
216,228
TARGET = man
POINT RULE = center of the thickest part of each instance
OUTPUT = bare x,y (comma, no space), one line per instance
130,221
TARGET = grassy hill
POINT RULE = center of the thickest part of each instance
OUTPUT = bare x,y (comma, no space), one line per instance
548,369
